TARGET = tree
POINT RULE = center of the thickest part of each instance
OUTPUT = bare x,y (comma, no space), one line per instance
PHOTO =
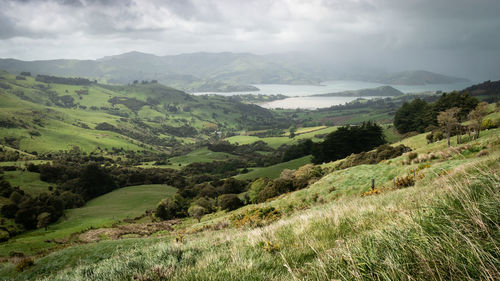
165,210
413,116
463,101
229,202
347,140
476,117
197,212
43,220
448,121
293,129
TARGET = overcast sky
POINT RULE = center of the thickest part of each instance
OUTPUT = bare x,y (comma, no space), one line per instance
457,37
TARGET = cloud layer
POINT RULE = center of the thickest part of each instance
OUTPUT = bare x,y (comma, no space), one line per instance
452,36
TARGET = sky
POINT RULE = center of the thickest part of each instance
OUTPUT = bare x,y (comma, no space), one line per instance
455,37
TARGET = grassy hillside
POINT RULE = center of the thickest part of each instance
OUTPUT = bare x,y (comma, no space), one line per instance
328,231
275,142
104,211
44,117
29,181
203,155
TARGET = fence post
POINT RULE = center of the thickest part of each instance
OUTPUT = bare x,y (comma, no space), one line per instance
373,184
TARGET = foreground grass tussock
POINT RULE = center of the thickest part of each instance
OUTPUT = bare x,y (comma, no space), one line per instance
444,230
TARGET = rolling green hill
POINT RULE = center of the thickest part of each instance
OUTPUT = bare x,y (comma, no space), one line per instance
41,116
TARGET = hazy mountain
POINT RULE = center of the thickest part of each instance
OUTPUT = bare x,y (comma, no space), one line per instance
416,77
218,72
381,91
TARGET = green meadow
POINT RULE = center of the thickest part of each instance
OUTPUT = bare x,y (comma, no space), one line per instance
103,211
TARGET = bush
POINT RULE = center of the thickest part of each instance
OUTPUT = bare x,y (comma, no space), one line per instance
9,210
197,212
405,181
255,188
229,202
382,152
166,209
412,155
24,263
488,124
309,171
256,217
208,203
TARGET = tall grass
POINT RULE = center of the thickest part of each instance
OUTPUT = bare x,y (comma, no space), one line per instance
446,230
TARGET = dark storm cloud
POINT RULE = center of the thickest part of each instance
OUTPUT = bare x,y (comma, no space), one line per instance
452,36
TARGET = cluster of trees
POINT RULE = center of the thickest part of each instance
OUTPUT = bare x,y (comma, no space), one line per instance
449,123
182,131
9,155
420,116
263,189
63,80
303,148
32,212
196,200
347,140
75,183
443,118
246,149
203,198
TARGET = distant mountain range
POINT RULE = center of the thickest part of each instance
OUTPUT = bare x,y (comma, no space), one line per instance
382,91
213,72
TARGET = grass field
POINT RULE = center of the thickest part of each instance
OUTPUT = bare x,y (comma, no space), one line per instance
28,181
275,142
200,155
275,170
127,202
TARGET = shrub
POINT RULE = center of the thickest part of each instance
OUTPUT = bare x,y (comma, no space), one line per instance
383,152
287,174
309,171
9,210
405,181
412,155
256,217
208,203
255,188
24,263
371,192
482,153
275,188
169,208
488,124
272,247
197,212
229,202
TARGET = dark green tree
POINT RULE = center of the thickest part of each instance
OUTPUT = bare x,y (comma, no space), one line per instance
347,140
413,116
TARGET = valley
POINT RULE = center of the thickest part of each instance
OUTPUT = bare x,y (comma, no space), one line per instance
282,140
95,173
